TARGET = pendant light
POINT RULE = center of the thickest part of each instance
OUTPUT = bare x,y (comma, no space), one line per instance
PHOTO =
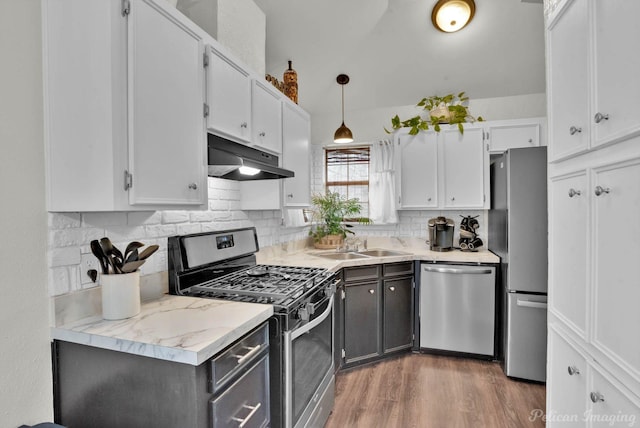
343,134
450,16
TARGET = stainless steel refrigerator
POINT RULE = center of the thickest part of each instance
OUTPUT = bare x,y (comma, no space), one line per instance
518,235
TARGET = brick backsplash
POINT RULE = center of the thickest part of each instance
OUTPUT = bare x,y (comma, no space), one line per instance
71,233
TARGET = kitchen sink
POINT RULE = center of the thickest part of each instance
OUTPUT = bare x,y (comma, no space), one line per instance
342,256
382,253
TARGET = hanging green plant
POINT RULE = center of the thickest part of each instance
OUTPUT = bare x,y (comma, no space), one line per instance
448,109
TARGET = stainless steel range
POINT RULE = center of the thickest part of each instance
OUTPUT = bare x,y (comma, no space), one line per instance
222,265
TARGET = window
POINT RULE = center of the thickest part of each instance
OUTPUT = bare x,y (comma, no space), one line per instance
347,172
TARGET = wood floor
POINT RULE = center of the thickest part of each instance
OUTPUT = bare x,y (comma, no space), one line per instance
425,391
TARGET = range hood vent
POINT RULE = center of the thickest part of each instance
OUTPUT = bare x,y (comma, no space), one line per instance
227,157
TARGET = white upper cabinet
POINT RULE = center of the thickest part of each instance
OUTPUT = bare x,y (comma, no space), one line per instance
616,111
296,134
568,81
443,170
417,170
465,162
165,102
228,97
266,114
124,127
512,134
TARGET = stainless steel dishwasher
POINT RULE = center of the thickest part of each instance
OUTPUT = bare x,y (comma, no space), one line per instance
457,308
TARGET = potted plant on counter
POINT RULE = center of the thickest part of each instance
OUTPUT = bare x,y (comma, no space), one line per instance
450,108
120,278
328,213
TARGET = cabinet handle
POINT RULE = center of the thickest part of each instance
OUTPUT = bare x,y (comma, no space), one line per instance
573,130
599,117
392,288
530,140
596,397
574,192
453,199
243,125
252,351
262,134
573,370
244,421
428,199
372,291
600,190
193,186
290,195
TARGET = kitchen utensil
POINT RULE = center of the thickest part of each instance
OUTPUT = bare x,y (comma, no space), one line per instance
132,266
148,251
131,247
132,257
114,256
96,249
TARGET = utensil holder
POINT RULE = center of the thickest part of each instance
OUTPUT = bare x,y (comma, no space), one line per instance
120,295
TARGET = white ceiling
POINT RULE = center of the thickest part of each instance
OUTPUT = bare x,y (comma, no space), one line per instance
394,56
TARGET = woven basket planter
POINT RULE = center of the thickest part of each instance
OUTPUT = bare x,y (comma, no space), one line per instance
329,242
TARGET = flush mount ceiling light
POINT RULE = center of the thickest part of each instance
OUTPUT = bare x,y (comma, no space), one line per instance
343,134
452,15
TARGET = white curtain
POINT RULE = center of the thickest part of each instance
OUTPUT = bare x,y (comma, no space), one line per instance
382,189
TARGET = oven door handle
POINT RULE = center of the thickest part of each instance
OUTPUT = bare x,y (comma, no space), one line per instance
309,326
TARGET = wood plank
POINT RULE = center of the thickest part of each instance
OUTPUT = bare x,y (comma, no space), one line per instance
423,391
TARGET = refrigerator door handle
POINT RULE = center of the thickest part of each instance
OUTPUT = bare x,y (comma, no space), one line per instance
531,304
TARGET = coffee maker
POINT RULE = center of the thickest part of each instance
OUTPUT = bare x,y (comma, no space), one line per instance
441,234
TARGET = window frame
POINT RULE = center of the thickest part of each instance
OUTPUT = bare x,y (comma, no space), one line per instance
348,183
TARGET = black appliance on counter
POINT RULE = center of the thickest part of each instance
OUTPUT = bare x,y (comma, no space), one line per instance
222,265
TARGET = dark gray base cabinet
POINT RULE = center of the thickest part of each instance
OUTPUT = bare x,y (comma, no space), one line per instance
100,388
378,311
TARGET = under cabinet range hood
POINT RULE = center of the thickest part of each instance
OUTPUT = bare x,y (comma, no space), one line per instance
234,161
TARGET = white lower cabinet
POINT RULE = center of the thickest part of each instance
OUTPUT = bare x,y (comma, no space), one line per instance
581,392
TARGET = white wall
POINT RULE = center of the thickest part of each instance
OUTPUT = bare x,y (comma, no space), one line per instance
25,362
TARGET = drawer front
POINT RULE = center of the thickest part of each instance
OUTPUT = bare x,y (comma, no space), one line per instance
235,359
395,269
246,402
360,273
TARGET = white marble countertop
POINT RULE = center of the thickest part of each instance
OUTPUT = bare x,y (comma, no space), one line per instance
413,249
175,328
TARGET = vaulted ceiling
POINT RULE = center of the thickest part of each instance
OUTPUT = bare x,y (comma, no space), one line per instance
394,56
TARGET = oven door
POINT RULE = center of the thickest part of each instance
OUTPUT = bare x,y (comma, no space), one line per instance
309,376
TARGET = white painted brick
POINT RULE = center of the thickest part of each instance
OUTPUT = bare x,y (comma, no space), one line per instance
169,217
201,216
64,220
185,229
234,205
104,219
239,215
73,237
59,282
156,231
222,215
215,194
255,215
219,205
126,233
64,256
143,218
232,195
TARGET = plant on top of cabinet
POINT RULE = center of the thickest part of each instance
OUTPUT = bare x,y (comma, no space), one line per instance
329,211
448,109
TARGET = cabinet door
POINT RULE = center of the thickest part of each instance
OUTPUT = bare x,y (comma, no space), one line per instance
398,319
568,60
566,382
362,320
610,406
568,251
511,136
616,214
617,87
295,149
418,166
465,161
266,115
228,97
166,124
